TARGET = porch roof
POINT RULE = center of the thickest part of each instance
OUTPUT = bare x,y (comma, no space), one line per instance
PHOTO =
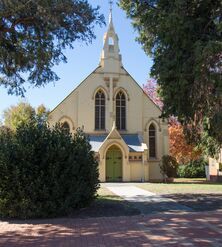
133,141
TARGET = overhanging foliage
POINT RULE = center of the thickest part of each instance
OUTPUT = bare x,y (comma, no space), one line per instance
184,37
33,35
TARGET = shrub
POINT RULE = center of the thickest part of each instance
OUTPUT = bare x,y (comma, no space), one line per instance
169,166
45,172
194,169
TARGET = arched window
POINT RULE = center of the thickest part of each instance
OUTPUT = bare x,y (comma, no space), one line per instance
111,44
100,110
111,41
121,111
66,126
152,141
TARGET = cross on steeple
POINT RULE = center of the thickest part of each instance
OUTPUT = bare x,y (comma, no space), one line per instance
110,10
111,5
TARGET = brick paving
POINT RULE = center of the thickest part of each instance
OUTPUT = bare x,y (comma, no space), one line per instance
173,229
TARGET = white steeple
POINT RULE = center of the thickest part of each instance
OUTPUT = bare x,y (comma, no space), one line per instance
110,57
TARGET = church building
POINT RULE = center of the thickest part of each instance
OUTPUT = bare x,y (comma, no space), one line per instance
123,124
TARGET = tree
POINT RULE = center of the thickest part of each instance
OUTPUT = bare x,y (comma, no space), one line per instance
151,89
179,148
42,114
184,37
45,172
168,166
33,35
24,113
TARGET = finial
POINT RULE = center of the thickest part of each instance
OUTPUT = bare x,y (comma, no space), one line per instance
110,11
111,5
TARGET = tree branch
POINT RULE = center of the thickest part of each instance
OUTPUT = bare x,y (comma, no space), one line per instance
26,20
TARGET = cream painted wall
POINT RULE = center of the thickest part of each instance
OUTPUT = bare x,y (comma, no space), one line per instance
154,169
137,170
213,167
214,164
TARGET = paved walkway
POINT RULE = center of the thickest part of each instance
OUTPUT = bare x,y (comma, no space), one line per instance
190,229
147,202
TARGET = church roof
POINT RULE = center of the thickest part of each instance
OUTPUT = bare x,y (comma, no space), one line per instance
133,141
96,141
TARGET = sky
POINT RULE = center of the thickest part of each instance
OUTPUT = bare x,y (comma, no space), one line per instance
83,59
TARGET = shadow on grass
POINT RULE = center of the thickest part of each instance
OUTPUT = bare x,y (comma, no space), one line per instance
198,202
178,203
193,181
103,206
197,182
107,206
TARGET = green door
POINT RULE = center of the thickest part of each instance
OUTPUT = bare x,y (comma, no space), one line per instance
114,165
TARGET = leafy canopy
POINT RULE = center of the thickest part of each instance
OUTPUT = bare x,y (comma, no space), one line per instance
24,113
33,35
151,89
179,148
184,37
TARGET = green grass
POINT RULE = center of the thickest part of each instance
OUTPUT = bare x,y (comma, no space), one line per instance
183,186
104,193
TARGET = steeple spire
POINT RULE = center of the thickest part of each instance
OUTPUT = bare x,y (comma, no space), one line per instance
110,58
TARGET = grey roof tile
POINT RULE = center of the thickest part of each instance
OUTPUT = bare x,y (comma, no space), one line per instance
132,140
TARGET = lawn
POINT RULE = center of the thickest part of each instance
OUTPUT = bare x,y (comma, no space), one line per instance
197,194
183,186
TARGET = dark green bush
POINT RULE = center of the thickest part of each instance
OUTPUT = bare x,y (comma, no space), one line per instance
45,172
194,169
169,166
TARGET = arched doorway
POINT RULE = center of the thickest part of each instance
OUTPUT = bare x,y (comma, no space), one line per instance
114,164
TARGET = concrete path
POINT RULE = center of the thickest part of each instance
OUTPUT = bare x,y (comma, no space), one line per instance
128,191
147,202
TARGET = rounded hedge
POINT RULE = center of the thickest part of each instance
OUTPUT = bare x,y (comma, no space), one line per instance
194,169
169,166
45,172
